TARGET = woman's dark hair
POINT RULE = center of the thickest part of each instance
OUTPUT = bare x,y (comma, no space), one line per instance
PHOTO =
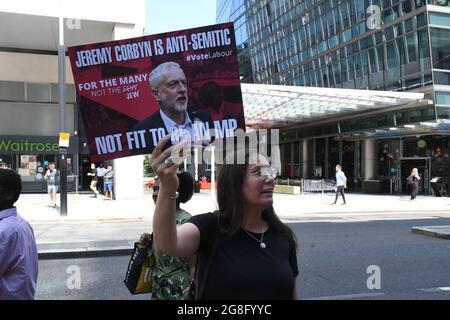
230,198
186,187
10,181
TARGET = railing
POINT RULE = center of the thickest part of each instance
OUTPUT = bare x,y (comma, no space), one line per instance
288,181
309,185
317,185
71,179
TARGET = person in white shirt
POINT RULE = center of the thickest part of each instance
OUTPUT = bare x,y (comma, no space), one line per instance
341,183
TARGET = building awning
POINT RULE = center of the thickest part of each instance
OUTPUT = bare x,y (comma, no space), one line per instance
440,126
273,106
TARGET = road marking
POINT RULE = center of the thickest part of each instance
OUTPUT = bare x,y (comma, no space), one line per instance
438,289
348,296
349,220
90,221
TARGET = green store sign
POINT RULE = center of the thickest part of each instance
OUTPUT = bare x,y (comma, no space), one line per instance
24,145
34,145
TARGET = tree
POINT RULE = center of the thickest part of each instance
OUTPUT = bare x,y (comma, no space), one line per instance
148,170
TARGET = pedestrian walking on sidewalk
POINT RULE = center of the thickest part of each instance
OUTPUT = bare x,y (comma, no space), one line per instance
94,180
100,174
108,182
341,184
413,182
244,250
52,177
172,276
18,250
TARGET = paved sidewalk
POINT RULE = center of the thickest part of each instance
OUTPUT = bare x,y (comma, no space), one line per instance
82,207
95,226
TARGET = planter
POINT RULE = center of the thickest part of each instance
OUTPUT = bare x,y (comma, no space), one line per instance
286,189
207,185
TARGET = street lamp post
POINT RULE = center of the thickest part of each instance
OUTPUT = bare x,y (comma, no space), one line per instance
62,115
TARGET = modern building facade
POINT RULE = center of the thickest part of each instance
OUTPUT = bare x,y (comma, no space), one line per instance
389,45
29,112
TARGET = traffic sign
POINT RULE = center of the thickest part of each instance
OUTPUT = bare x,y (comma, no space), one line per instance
64,138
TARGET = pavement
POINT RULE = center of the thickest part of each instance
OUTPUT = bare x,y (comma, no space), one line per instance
98,227
433,231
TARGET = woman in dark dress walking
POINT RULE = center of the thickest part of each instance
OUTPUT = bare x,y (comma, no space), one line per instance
413,181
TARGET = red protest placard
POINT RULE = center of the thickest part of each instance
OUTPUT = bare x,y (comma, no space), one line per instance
133,92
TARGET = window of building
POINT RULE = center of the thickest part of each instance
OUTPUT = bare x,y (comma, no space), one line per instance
442,78
412,149
409,24
401,43
406,6
345,17
439,19
443,112
373,60
333,157
388,15
392,55
439,156
411,42
421,20
11,90
443,98
424,48
388,158
319,167
440,48
380,56
348,161
389,33
351,68
6,161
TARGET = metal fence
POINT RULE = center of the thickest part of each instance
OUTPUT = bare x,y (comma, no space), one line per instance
72,183
309,185
318,185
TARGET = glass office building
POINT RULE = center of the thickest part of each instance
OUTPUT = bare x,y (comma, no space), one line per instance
390,45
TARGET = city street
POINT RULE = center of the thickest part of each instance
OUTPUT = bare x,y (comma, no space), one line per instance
101,100
333,261
334,258
101,279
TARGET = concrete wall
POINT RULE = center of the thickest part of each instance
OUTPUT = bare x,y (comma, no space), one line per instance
32,68
100,10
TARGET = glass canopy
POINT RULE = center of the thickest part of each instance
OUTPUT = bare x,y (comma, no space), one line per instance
277,106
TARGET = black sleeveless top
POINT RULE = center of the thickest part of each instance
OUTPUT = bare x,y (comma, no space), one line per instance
241,269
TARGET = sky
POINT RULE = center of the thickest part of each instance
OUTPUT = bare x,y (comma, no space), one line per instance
171,15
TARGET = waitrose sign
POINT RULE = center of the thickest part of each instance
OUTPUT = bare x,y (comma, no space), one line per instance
27,145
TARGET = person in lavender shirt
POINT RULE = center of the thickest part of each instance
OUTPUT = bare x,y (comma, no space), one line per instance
18,251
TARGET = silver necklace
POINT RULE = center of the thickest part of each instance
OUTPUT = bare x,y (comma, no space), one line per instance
261,243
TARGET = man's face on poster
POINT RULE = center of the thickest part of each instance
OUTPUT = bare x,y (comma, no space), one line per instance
172,91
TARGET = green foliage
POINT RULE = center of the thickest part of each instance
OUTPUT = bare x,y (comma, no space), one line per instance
148,171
